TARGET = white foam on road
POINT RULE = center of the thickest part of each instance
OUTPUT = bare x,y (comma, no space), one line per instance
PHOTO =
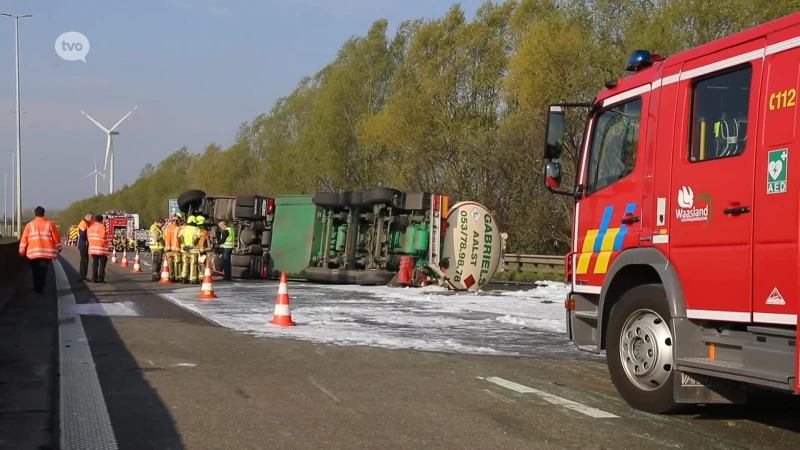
530,321
553,399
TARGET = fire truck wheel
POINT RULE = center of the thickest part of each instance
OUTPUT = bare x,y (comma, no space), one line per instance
639,349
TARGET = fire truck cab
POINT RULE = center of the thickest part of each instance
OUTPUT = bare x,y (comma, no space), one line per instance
685,258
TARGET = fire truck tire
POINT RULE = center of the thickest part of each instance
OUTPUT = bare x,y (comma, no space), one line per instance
639,349
192,198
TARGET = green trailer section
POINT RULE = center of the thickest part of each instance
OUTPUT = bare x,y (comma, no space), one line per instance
296,235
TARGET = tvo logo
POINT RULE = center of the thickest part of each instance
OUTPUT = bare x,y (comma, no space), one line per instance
72,46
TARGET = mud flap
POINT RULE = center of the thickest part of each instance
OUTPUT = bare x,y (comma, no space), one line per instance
694,388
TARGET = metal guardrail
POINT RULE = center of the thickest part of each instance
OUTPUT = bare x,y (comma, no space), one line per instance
11,264
534,263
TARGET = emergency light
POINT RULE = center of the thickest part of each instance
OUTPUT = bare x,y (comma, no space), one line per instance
641,59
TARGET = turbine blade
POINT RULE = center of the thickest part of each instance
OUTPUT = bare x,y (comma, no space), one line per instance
95,122
120,120
87,176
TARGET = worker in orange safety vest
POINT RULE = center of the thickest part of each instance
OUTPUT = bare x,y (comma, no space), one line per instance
98,248
41,244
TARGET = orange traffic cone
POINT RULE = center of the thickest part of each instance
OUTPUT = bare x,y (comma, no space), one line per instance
165,278
124,264
137,267
114,256
207,290
283,314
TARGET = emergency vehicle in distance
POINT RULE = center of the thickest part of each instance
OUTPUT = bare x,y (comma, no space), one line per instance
684,262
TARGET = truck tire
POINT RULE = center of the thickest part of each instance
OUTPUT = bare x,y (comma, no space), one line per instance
382,195
190,199
640,349
343,276
351,199
318,275
327,200
374,277
240,272
240,260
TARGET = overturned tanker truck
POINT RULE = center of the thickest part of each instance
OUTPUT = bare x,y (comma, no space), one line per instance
385,236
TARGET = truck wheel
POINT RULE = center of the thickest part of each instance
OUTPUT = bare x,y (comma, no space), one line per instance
327,199
640,349
383,195
351,199
318,275
240,260
240,272
193,198
374,277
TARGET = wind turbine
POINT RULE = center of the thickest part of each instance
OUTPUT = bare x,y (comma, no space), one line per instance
96,174
109,161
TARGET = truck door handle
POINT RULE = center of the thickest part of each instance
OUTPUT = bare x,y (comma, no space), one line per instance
736,210
631,220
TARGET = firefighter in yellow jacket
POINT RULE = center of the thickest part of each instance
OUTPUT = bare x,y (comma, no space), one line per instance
189,238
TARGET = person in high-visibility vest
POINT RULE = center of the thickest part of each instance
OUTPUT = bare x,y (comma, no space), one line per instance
178,260
41,244
98,248
189,238
228,239
83,245
157,247
171,245
202,244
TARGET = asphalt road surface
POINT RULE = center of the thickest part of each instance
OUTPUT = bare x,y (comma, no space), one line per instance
172,380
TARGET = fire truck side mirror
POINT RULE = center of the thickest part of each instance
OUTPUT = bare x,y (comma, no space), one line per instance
552,174
554,138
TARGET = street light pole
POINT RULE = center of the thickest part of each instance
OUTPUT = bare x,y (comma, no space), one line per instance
13,199
16,18
5,202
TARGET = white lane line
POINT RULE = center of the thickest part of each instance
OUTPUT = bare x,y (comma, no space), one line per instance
84,416
327,392
554,399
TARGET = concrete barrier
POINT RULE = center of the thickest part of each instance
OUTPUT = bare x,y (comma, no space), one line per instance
11,264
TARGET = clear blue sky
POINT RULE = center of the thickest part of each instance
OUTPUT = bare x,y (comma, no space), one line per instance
195,68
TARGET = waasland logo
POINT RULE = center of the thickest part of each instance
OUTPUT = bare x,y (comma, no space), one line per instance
689,211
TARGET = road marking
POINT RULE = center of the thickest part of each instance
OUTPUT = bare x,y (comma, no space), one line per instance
327,392
498,396
554,399
84,416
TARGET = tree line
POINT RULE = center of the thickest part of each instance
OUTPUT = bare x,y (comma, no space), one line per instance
446,105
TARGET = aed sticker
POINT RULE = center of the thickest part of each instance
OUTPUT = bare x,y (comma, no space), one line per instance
473,246
777,169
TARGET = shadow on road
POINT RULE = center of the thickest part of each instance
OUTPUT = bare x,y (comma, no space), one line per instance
764,407
139,417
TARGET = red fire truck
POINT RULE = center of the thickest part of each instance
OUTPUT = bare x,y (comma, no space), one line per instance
685,257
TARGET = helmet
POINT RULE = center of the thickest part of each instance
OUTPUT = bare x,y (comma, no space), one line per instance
179,214
200,220
191,220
